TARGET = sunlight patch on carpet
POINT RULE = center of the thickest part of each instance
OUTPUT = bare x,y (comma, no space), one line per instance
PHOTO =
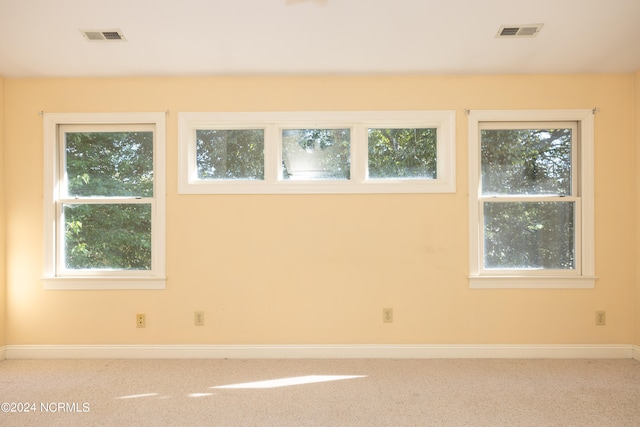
285,382
135,396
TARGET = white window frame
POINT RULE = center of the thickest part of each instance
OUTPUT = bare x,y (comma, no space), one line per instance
357,121
55,276
583,276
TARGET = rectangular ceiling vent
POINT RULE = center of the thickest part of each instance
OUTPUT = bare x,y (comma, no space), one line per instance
519,31
103,35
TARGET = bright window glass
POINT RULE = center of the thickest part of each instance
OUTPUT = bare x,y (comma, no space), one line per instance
230,154
406,153
108,164
107,236
535,161
529,235
518,162
316,154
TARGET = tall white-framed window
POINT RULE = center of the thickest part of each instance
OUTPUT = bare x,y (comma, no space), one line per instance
531,207
317,152
104,203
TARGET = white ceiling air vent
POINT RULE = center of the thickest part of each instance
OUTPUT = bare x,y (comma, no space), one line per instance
519,31
103,35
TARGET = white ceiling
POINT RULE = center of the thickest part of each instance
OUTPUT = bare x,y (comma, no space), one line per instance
42,38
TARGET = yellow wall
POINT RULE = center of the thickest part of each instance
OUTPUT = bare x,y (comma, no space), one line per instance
637,182
320,268
3,287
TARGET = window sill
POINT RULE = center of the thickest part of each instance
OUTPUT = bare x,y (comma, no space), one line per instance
99,283
390,186
521,282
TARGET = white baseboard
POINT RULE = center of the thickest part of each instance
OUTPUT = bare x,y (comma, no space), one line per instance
322,351
3,353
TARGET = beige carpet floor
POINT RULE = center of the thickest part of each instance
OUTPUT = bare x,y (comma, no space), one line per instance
370,392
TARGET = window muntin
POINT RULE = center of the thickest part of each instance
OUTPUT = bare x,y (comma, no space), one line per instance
104,206
349,166
531,198
316,154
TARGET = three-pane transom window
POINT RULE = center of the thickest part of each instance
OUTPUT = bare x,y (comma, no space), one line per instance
320,152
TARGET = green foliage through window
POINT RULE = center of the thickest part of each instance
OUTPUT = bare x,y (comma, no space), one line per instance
518,165
526,161
110,164
101,230
230,154
108,236
316,153
403,153
529,235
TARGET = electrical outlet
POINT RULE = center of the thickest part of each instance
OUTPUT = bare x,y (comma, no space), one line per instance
387,315
601,318
141,320
198,318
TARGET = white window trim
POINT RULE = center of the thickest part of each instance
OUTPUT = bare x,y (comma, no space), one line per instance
55,279
357,121
584,277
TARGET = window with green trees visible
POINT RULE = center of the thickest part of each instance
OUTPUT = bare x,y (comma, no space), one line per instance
317,152
531,199
230,154
528,196
405,153
106,199
107,208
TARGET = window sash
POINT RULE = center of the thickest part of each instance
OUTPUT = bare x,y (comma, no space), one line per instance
577,215
575,149
573,197
65,129
63,270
